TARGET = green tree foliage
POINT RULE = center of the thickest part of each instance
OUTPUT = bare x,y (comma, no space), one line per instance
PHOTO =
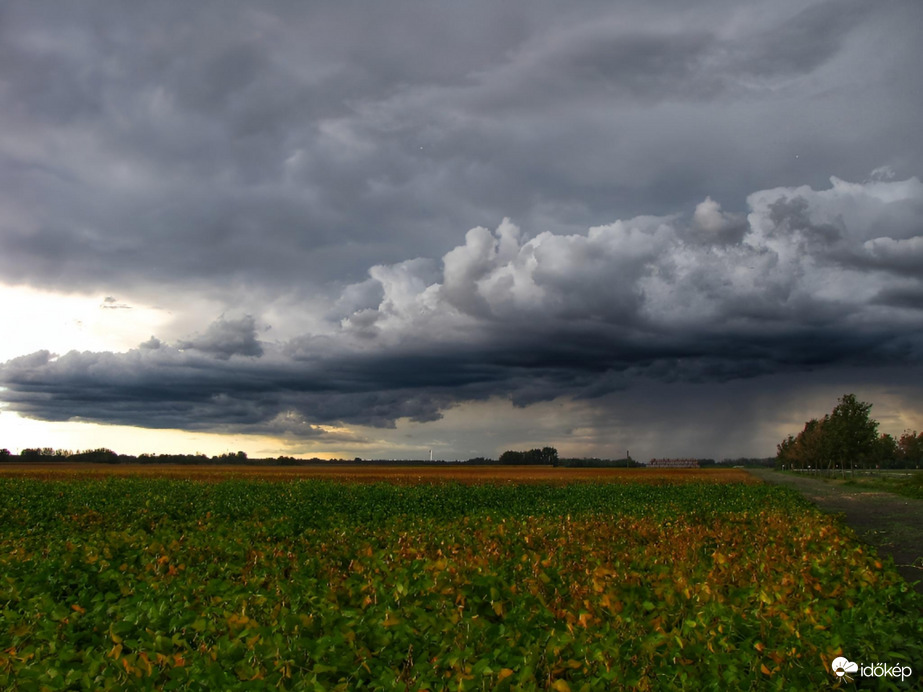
96,456
853,433
845,438
910,448
886,452
44,454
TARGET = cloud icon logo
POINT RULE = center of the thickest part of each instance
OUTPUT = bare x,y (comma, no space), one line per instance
842,665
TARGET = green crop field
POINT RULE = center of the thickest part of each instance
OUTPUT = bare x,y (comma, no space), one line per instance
145,583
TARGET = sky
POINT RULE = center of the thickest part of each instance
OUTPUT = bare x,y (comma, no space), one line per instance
378,229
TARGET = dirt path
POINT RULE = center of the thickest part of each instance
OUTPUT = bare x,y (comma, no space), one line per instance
891,523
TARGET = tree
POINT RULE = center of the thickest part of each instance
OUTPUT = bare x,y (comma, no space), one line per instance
810,449
886,452
847,436
96,456
511,457
546,455
550,456
910,448
853,433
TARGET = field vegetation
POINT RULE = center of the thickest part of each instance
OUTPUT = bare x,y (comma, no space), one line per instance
160,583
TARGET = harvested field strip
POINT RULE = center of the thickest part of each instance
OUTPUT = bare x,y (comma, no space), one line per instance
373,473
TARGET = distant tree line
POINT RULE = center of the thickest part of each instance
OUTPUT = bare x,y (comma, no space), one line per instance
107,456
90,456
760,462
548,456
545,456
848,438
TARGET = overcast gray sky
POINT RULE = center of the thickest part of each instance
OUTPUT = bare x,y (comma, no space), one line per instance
370,229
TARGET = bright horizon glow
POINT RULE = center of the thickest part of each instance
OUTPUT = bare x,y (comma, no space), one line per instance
18,433
58,322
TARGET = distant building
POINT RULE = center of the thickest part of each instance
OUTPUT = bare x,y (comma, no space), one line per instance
673,463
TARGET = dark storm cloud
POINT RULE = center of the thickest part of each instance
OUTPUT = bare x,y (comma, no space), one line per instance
910,297
607,62
286,145
165,387
225,338
314,165
801,43
800,284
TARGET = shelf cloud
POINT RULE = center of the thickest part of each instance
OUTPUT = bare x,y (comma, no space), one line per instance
804,281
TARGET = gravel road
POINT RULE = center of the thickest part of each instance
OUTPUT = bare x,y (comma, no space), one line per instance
893,524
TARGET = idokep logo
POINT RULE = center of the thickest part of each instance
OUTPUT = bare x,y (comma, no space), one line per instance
842,666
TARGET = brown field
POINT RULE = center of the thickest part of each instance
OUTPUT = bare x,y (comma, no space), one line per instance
375,473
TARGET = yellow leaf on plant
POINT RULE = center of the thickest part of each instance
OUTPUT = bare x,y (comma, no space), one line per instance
504,673
560,686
